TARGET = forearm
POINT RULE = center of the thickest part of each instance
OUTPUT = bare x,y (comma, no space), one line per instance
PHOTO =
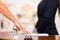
4,10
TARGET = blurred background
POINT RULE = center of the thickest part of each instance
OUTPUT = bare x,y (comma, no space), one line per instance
26,13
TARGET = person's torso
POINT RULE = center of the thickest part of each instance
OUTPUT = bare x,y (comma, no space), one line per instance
41,7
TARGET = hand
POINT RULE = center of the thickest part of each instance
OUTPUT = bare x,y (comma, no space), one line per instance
19,27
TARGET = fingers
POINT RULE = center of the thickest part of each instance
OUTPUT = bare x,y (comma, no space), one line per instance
24,30
19,27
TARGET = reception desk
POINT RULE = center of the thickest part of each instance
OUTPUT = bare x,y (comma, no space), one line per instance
9,36
6,35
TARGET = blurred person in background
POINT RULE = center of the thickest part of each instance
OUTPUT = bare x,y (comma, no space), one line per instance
46,17
5,11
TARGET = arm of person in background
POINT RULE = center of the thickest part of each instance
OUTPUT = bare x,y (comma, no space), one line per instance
4,10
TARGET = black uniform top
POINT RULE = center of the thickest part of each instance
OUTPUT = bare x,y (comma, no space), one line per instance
46,17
